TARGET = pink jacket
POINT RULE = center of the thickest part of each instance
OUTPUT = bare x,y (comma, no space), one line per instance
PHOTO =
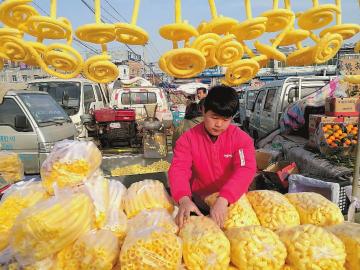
202,167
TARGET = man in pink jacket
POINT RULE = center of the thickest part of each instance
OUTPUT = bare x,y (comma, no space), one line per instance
213,156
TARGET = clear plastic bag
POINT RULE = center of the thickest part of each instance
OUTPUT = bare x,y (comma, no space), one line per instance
205,246
315,209
69,164
116,220
151,248
273,210
255,247
239,213
49,226
97,250
16,199
153,218
349,234
146,194
11,167
312,247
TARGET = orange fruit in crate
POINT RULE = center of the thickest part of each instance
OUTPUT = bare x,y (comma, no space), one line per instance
328,126
333,145
354,132
355,128
336,127
348,142
339,132
325,129
349,126
354,141
333,138
326,135
329,142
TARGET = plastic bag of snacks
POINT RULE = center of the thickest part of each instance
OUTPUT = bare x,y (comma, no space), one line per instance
312,247
273,210
98,189
147,194
17,198
349,234
239,213
205,246
69,164
153,218
11,167
46,264
151,248
116,220
256,247
315,209
49,226
97,250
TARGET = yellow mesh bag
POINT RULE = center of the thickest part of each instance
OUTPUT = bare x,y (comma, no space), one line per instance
239,213
205,246
349,234
49,226
255,247
147,194
312,247
273,210
315,209
16,199
11,167
69,164
151,248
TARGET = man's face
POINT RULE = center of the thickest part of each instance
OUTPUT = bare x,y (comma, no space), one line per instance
216,124
201,95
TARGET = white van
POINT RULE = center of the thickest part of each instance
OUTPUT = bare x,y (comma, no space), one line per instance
76,96
30,124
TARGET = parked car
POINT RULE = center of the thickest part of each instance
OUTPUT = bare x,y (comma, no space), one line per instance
30,124
76,96
275,96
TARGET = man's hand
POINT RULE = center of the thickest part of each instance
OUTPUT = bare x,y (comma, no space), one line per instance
218,211
186,206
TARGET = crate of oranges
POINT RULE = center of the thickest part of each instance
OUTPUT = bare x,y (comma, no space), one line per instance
337,138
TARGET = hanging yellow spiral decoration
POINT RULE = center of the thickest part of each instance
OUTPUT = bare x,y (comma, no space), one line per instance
7,31
207,44
228,50
278,18
15,13
14,48
241,71
317,16
294,36
357,47
251,28
327,47
219,24
100,69
184,62
301,57
131,33
61,57
40,49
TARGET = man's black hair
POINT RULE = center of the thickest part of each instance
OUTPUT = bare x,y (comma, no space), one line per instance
203,89
222,100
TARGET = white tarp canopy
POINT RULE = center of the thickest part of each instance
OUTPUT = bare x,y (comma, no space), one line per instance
190,88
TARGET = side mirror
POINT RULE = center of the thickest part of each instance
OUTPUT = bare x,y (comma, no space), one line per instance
21,123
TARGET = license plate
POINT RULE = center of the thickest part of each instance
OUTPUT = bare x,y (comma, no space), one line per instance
115,125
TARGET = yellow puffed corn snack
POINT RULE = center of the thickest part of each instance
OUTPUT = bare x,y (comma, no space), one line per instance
205,246
273,210
11,167
315,209
239,213
16,199
312,247
147,194
255,247
151,248
69,164
97,250
349,233
153,218
98,189
49,226
116,220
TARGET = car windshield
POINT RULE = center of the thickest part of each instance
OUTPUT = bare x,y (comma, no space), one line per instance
67,94
44,109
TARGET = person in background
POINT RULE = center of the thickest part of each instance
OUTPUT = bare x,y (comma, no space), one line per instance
213,156
201,93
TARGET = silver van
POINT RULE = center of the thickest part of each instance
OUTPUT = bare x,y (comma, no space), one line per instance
275,96
30,124
76,96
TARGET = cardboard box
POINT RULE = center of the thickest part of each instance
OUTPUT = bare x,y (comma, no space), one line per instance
263,159
316,119
341,107
279,172
351,119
